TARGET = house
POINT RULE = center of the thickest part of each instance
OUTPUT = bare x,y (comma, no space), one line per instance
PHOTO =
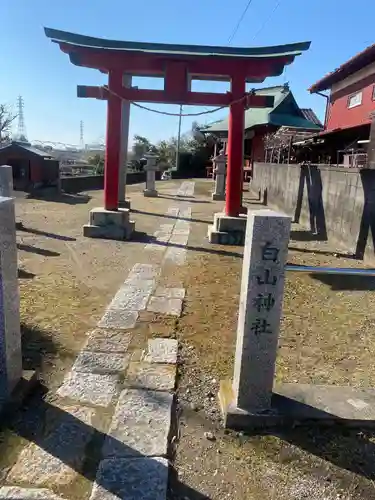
32,168
350,102
260,122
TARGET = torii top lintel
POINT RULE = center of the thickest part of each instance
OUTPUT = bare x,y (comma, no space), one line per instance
176,62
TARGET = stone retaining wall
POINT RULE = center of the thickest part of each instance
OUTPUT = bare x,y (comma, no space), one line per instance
331,202
80,183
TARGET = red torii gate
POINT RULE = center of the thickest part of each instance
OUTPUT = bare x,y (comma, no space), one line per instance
178,65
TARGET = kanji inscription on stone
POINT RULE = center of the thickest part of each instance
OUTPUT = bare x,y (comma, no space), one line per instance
262,288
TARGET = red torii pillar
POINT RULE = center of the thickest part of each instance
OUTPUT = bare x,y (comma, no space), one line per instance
113,148
233,197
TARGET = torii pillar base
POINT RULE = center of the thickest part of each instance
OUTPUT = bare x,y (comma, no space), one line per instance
124,204
109,224
227,230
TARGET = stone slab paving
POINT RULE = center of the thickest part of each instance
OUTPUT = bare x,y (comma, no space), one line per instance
175,256
59,455
162,351
16,493
173,293
165,305
152,376
186,189
131,297
140,424
131,479
107,340
143,272
90,388
172,211
118,319
101,362
166,228
179,239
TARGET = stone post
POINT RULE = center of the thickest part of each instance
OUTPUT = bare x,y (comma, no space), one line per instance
220,163
261,298
10,336
6,181
150,168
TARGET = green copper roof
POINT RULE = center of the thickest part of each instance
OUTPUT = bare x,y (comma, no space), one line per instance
292,49
285,112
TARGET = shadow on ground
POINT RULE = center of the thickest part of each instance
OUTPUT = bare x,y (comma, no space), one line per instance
342,282
55,431
322,252
37,250
25,275
349,449
37,345
145,238
182,198
166,216
70,199
38,232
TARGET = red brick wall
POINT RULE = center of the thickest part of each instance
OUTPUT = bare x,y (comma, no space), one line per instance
340,116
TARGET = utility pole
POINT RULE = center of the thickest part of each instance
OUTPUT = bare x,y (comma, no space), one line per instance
178,138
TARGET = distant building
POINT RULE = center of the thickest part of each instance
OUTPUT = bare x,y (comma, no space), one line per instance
260,122
32,168
350,102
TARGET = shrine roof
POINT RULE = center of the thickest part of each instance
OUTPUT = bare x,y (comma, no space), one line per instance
359,61
284,112
76,40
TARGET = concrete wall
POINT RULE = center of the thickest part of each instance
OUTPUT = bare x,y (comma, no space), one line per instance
80,183
331,203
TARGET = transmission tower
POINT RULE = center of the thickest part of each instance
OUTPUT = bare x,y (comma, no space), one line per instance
81,139
21,127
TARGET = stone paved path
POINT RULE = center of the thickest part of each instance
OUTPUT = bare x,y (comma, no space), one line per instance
133,397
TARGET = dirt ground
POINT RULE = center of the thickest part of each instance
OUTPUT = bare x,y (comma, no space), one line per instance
326,337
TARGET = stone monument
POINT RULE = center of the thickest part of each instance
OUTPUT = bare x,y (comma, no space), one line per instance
220,164
10,335
150,168
6,181
251,401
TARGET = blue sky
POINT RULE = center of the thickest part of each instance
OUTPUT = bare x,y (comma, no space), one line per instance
36,69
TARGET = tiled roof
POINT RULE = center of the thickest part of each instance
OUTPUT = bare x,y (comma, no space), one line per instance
359,61
309,114
285,112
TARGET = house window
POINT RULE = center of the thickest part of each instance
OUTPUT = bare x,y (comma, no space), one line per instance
355,100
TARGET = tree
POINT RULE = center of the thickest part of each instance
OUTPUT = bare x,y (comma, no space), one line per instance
6,120
97,161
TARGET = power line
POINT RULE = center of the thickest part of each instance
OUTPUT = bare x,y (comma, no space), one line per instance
240,21
267,20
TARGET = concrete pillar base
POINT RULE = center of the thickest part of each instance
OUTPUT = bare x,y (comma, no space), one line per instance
150,193
109,224
227,230
218,197
300,404
124,204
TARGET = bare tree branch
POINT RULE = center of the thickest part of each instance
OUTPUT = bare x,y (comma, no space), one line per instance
6,120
